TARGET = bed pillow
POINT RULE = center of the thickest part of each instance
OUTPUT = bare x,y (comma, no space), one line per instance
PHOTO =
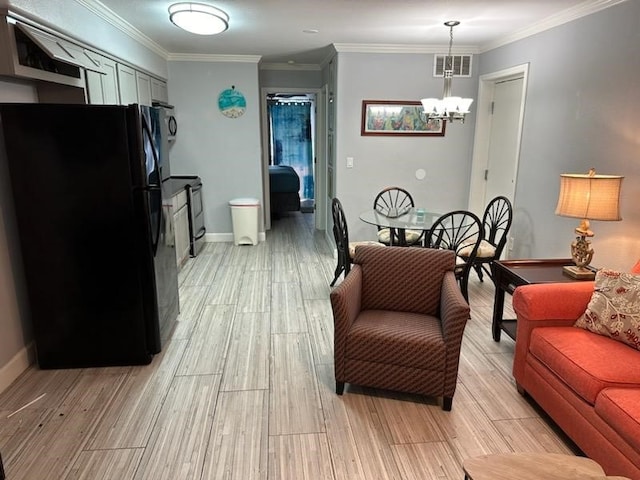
614,308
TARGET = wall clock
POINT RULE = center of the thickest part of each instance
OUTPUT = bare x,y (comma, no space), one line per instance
232,103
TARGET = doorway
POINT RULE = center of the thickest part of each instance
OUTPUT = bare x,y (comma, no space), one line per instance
290,129
291,120
496,149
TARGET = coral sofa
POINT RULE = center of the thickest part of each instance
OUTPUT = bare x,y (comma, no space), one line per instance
589,384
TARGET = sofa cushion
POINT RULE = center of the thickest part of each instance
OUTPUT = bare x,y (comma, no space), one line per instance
586,362
620,408
614,309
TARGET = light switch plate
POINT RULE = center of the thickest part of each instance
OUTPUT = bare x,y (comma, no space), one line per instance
349,162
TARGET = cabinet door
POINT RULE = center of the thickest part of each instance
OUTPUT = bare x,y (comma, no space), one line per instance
102,88
110,92
143,82
94,88
127,84
159,91
181,226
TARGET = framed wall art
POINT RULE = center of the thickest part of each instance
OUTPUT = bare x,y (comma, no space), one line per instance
398,117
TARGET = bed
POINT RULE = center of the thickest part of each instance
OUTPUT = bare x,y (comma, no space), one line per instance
284,186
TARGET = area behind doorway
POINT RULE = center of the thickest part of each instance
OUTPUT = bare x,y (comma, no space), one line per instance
291,139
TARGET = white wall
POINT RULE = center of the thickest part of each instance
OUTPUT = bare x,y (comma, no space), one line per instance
379,161
581,111
224,152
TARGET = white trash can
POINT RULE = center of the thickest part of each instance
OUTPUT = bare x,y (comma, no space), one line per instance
244,216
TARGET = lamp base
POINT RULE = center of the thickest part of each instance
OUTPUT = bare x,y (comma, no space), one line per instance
578,273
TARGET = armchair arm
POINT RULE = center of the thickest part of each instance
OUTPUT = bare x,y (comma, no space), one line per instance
454,310
546,305
346,301
454,313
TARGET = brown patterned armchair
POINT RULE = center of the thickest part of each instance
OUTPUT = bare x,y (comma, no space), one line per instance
399,317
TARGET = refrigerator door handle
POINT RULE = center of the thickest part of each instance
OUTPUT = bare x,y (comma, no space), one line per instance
154,187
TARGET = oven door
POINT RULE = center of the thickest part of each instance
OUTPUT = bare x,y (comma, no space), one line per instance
196,218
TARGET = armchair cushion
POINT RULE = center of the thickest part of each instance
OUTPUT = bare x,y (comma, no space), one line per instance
620,408
614,308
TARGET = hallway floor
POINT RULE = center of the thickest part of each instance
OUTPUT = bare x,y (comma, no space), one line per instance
245,390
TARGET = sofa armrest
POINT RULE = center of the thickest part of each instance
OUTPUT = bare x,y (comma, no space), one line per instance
546,305
346,302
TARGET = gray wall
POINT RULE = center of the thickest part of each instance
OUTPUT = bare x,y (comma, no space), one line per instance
384,161
581,111
291,78
224,152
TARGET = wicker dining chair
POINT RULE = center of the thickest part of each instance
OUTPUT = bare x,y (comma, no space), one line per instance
459,230
496,222
392,201
345,248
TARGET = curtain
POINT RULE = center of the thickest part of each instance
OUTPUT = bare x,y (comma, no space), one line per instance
291,140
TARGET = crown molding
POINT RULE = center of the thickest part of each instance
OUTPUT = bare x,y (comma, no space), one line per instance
309,67
108,15
391,48
205,57
566,16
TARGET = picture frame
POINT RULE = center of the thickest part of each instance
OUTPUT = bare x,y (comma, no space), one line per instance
398,117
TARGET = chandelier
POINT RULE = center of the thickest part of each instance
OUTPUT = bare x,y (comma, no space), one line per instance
448,107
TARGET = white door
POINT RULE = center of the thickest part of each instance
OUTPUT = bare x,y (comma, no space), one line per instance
504,139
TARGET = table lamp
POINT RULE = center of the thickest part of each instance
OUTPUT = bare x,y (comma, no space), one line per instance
588,197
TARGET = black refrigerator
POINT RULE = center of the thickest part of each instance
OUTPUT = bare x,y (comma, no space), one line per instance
98,254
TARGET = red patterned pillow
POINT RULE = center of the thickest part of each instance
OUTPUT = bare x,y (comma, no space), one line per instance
614,308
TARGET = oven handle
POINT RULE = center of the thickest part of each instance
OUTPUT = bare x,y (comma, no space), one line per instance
200,234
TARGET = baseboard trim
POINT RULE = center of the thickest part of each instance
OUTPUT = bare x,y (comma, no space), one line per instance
18,364
228,237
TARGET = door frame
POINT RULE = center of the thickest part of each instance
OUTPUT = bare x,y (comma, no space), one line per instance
480,158
319,159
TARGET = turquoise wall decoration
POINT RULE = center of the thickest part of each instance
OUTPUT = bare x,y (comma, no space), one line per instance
232,103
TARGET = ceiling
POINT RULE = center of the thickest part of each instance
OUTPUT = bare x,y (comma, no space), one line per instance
299,32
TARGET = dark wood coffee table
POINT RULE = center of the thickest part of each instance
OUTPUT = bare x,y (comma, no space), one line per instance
509,274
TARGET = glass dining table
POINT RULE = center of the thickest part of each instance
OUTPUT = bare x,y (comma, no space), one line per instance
413,219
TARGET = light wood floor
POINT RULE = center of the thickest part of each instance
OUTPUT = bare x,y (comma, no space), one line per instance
245,390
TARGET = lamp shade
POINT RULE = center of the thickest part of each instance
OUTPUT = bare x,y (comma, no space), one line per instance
198,18
589,196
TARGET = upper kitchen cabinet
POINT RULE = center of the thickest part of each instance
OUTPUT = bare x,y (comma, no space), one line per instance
31,53
103,88
128,84
143,82
159,91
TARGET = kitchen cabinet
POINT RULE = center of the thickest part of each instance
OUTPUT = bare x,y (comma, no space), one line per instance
102,89
159,91
181,227
143,82
127,84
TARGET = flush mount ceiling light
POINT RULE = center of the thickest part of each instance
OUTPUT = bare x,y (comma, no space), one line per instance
198,18
448,107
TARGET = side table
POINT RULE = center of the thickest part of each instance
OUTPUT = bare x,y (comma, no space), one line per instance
533,466
509,274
